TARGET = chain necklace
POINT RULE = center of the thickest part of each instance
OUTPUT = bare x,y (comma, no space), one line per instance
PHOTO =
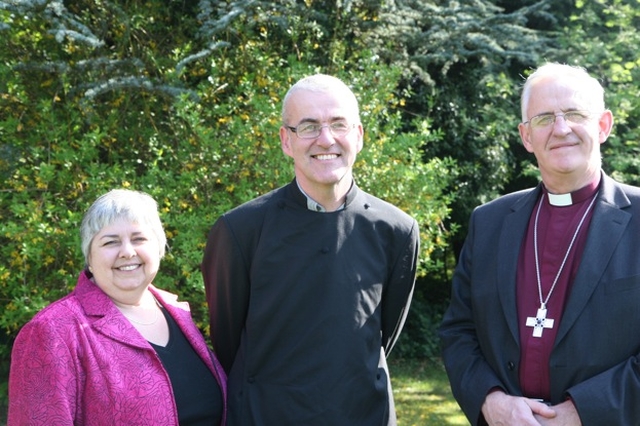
540,321
155,318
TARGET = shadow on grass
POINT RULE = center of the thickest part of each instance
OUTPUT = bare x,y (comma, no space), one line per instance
422,394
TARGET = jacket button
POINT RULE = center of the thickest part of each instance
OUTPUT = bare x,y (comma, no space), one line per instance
511,366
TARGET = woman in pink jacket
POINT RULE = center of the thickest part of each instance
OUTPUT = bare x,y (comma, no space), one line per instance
117,350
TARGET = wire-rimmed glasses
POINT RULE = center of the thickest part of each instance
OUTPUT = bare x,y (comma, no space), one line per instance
310,130
548,119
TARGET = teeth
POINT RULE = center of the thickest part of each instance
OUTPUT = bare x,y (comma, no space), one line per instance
326,157
128,267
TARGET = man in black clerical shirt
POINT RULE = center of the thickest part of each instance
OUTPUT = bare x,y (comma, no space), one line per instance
542,324
309,285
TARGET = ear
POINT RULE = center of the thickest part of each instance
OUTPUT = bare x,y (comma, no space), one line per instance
525,136
605,124
285,141
360,144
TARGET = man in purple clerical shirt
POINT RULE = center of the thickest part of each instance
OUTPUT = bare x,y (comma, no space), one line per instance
542,324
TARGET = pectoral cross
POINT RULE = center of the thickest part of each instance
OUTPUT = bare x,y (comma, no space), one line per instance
539,322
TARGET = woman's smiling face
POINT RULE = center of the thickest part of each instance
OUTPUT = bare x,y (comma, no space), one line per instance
124,257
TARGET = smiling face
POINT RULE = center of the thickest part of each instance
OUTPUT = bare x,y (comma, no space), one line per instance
568,154
124,257
324,164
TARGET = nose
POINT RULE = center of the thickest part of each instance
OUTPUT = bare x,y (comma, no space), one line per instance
127,250
325,138
560,125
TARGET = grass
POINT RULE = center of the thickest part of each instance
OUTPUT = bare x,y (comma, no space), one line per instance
422,394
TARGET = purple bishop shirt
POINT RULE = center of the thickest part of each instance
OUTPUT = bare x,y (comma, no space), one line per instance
556,226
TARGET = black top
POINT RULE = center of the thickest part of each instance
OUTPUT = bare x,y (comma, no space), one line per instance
197,393
304,306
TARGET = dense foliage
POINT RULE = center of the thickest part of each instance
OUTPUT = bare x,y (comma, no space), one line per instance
95,97
181,99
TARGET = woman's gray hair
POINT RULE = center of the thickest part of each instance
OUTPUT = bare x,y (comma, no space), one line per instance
134,206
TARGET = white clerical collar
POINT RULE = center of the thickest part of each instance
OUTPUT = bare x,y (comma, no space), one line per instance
314,205
560,200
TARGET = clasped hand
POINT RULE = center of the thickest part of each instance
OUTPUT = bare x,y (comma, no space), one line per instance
500,409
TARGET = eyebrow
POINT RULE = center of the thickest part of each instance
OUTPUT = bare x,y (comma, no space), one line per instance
570,109
315,120
118,236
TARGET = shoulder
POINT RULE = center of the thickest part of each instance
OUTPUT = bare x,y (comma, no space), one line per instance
256,206
168,298
71,313
67,306
262,201
620,195
630,190
508,201
59,322
242,225
381,212
383,208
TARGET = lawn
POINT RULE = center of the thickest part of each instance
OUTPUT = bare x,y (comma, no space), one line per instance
422,394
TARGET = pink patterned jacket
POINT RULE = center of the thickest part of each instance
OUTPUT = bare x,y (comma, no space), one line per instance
79,361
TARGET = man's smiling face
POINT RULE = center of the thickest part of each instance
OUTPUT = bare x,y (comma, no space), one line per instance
325,161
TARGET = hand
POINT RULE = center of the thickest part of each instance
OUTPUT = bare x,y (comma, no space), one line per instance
500,409
566,415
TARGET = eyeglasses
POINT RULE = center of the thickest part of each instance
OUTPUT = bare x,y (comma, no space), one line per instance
544,120
313,130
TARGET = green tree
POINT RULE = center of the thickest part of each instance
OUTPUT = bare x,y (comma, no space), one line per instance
466,57
601,36
99,95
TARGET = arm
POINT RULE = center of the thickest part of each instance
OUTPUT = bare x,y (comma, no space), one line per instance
226,281
610,397
599,357
471,376
399,291
43,379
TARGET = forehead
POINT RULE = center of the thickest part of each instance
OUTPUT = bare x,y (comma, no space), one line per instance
316,105
123,226
553,94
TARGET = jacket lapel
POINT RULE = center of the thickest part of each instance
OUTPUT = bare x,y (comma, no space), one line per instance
513,231
607,226
103,315
182,316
